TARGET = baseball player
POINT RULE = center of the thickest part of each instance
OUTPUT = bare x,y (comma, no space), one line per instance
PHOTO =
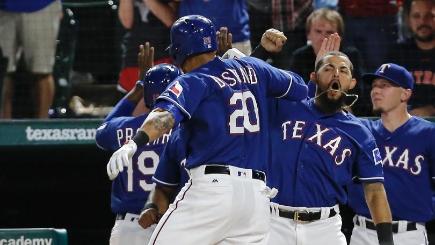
407,144
170,177
130,188
317,149
222,107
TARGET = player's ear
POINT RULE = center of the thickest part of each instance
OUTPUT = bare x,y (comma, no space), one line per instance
313,77
406,95
352,83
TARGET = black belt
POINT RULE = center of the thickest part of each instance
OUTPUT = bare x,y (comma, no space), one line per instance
122,217
221,169
410,226
304,215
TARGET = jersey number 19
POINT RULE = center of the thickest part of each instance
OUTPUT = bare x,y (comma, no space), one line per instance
151,155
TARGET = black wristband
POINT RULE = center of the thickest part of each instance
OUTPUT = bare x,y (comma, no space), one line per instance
260,53
150,205
385,233
141,138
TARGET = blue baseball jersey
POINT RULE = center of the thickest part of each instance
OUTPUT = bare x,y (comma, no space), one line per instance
171,171
222,107
409,168
130,189
232,14
314,156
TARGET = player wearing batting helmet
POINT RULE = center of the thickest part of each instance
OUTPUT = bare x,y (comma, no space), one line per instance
221,106
131,186
407,145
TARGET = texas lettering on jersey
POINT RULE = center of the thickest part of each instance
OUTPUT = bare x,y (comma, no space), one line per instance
401,157
323,137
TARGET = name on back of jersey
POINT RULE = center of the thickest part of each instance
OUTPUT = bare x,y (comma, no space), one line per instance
123,135
233,77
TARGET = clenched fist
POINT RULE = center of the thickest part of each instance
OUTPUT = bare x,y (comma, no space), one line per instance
273,40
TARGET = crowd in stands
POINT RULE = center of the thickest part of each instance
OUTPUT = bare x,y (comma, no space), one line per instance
374,32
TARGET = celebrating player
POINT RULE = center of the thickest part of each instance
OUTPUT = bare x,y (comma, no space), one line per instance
222,107
317,149
407,144
131,188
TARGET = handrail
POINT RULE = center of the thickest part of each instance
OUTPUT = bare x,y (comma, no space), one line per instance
87,4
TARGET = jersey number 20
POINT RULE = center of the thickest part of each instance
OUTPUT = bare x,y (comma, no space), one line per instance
246,110
151,155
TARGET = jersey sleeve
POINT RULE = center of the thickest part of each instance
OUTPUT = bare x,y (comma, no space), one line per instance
107,137
185,93
168,172
123,108
368,166
281,84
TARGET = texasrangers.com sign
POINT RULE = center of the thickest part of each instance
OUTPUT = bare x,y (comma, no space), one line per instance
48,132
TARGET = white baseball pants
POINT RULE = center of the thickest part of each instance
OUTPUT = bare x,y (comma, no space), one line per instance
217,209
325,231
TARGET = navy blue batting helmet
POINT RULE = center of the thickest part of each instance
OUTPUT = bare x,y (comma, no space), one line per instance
192,34
156,80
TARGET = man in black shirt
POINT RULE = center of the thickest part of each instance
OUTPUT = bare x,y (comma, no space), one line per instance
417,54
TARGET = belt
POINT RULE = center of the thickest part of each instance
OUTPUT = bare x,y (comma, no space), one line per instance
410,226
298,215
127,216
222,169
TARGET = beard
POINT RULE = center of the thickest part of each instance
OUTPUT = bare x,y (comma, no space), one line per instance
424,39
328,105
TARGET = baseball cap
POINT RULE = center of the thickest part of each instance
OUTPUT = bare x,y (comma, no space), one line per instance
392,72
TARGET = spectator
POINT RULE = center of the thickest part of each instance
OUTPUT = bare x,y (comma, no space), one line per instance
30,26
262,10
417,54
145,21
320,24
371,26
232,14
289,16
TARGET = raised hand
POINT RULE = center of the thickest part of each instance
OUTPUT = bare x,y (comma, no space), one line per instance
225,40
273,40
145,59
331,43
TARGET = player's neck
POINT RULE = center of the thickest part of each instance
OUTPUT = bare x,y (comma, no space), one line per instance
425,45
395,118
196,61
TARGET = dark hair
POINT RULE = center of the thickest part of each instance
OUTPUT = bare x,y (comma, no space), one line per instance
333,53
407,5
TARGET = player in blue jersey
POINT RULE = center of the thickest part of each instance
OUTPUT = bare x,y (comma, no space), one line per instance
130,188
170,177
317,149
407,144
222,107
